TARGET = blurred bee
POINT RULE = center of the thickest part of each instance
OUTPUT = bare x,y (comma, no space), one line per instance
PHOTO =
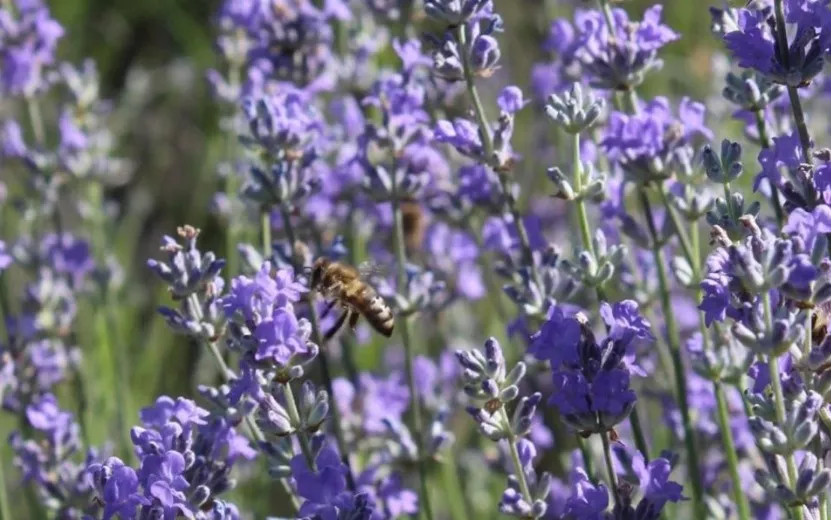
413,222
343,285
819,322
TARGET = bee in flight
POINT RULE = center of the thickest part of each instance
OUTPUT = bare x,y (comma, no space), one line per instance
819,320
343,285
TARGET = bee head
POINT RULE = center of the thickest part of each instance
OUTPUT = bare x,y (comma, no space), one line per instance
317,272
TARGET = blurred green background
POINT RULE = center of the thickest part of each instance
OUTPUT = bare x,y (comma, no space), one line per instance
152,56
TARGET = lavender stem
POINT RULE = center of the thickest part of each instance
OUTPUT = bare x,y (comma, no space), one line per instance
793,93
404,328
677,361
318,338
779,398
294,417
610,468
520,473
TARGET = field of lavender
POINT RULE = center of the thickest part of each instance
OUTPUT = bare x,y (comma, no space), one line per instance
599,230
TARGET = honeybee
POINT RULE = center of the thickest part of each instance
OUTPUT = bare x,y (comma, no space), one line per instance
413,224
819,321
343,285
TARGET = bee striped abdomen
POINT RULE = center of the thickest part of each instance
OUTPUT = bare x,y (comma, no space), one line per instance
380,316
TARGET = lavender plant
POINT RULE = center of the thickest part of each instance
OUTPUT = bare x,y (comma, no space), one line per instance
565,345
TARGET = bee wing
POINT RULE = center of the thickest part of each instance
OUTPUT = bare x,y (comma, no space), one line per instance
370,269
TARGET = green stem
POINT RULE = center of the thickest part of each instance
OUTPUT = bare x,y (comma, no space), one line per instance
610,468
686,247
265,228
110,349
801,125
318,338
487,146
82,395
458,506
723,412
510,204
630,102
637,432
302,436
36,120
793,93
582,214
779,398
729,200
730,452
585,233
518,471
585,452
5,511
674,340
607,15
404,328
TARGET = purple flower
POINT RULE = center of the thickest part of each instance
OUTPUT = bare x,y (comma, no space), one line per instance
557,339
461,134
822,181
183,411
13,146
185,458
72,137
59,426
754,44
569,393
411,55
69,256
789,376
649,140
654,481
610,392
786,152
256,298
387,492
625,322
587,500
499,233
28,42
47,460
613,58
590,378
324,490
715,300
290,44
510,100
808,225
117,486
456,253
286,122
50,360
380,400
282,337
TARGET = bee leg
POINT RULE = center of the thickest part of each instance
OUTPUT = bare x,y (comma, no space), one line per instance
338,324
353,320
328,309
